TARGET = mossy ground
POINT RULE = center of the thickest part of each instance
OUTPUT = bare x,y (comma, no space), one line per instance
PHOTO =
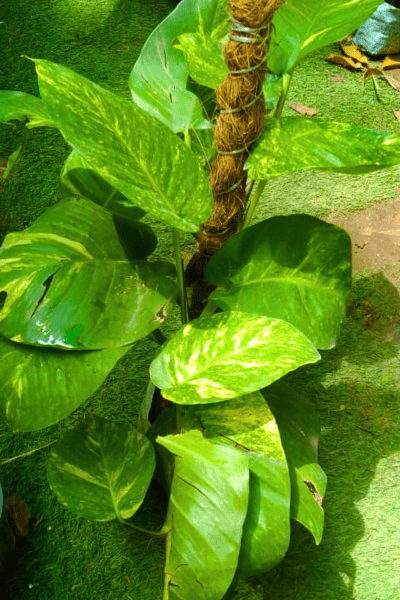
355,387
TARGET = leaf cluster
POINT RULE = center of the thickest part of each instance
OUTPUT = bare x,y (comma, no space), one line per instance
237,449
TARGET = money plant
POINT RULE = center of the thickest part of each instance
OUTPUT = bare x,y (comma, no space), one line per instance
236,449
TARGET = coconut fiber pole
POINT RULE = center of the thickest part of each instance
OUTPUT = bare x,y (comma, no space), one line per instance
240,123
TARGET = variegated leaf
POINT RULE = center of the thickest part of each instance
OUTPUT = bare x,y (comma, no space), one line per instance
300,429
247,423
302,26
41,386
75,279
291,144
158,81
228,355
296,268
208,505
135,153
78,178
17,105
101,470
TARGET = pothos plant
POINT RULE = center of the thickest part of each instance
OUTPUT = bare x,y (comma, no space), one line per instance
237,448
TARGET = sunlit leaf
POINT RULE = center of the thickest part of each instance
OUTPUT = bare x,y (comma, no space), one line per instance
228,355
247,423
302,26
290,144
135,153
208,506
158,79
76,279
296,268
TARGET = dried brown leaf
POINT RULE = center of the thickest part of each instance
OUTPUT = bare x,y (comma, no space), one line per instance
353,52
344,61
18,514
339,78
393,82
397,115
371,72
303,110
392,61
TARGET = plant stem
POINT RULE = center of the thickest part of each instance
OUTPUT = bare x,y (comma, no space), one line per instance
161,533
8,460
179,268
209,309
287,80
252,205
253,202
188,141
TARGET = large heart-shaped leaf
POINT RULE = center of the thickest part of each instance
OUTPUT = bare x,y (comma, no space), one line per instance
299,427
292,144
78,178
132,151
72,280
158,79
247,423
42,386
295,268
101,470
301,26
208,505
18,105
228,355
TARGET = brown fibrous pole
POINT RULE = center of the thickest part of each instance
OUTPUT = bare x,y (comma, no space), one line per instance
240,122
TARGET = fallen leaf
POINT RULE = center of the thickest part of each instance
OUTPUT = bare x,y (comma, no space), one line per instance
393,82
344,61
392,61
338,78
397,115
18,514
353,52
303,110
371,72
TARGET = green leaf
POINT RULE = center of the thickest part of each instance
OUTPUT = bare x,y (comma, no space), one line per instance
299,427
12,160
272,88
158,79
18,105
74,280
302,26
207,98
247,423
78,178
292,144
42,386
296,268
101,470
203,145
204,58
132,151
228,355
208,506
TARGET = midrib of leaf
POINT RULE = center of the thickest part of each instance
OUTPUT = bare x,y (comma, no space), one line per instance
249,345
304,283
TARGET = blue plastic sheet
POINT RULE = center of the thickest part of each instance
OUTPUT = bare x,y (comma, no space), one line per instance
380,34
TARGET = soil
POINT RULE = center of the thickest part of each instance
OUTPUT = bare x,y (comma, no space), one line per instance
375,236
